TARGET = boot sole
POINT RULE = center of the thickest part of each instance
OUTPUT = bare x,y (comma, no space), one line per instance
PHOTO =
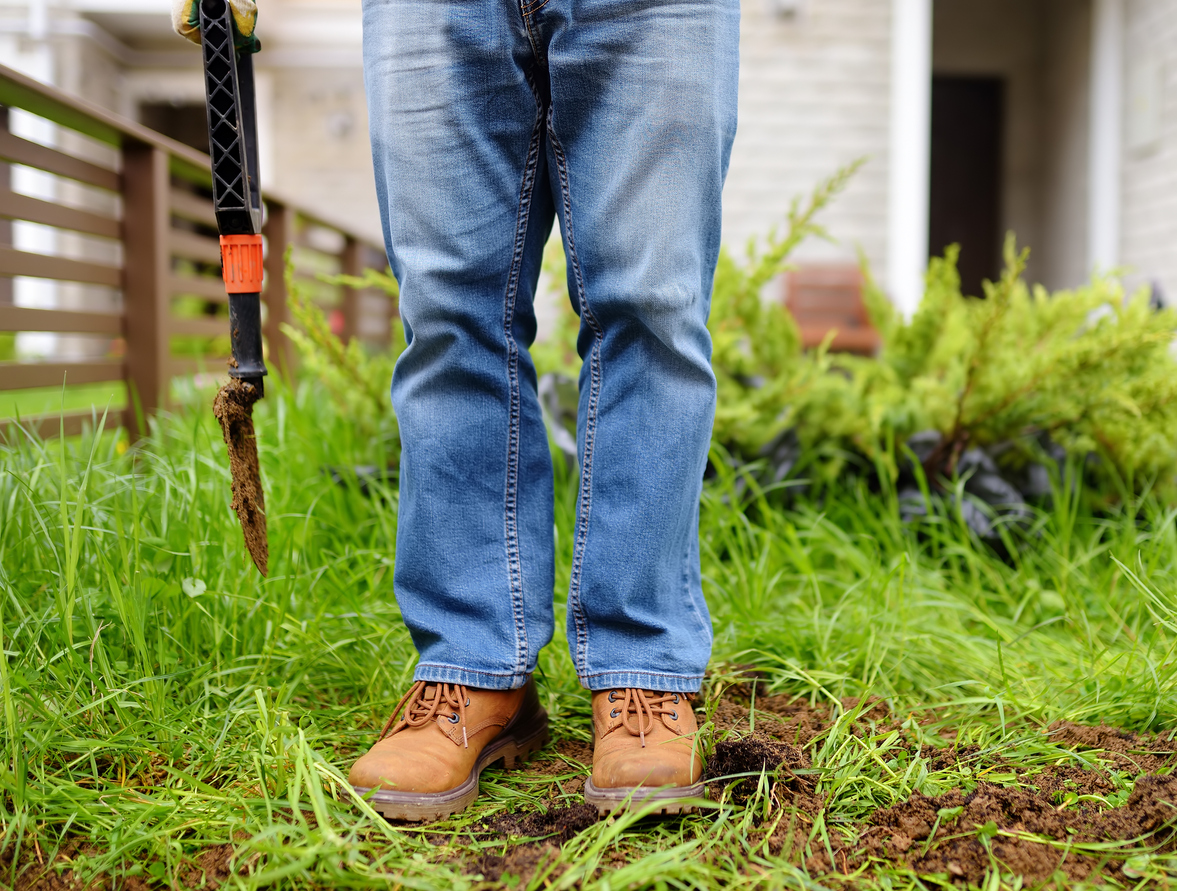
632,798
425,807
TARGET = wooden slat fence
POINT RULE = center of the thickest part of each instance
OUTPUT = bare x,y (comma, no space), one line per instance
130,216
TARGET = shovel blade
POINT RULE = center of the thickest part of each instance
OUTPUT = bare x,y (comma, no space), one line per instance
233,408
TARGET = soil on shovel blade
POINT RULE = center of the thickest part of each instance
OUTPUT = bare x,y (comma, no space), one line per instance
233,407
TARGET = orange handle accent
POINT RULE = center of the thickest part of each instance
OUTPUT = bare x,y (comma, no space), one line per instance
241,263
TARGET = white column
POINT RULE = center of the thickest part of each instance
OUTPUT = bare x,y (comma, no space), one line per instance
1105,152
911,144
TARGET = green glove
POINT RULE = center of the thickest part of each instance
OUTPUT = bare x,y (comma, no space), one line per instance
186,22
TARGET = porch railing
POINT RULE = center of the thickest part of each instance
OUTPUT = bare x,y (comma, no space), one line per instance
108,248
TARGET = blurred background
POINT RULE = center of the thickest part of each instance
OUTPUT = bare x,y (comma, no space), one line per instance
1053,119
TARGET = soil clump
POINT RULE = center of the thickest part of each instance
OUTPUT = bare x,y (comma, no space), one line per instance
233,407
543,834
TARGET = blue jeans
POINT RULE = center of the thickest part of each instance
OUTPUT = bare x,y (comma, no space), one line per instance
489,120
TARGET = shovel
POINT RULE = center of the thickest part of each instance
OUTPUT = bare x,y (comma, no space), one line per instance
232,132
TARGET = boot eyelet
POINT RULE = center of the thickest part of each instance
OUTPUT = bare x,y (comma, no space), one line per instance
454,719
674,716
615,713
612,698
468,702
675,699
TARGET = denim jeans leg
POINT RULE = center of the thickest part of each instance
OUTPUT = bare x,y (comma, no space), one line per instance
458,141
642,117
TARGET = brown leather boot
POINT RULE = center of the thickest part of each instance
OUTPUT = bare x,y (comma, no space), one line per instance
426,765
645,742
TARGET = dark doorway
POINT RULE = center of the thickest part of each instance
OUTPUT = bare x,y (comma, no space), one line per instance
183,121
968,114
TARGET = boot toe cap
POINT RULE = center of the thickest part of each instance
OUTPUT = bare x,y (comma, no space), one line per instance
399,773
650,770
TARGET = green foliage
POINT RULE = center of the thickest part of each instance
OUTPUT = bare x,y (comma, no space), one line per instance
557,353
358,380
1091,368
756,349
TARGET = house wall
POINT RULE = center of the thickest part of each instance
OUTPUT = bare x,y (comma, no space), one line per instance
814,95
1149,225
1067,61
320,148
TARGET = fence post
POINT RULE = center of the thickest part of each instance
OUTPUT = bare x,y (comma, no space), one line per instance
351,262
6,288
146,270
279,232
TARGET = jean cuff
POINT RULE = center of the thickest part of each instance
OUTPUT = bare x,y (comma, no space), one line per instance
642,680
481,680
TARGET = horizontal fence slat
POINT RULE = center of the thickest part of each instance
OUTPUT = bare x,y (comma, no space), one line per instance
218,365
194,247
209,288
26,375
193,207
31,154
14,262
45,426
200,327
15,206
21,318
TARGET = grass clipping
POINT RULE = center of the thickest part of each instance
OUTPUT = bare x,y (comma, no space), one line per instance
233,407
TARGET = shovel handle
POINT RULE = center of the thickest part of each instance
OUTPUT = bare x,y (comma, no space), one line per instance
232,138
232,123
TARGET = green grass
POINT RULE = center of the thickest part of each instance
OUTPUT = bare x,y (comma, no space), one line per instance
72,397
160,699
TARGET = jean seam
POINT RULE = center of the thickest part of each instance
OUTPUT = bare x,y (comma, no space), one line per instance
653,674
449,667
526,11
584,505
511,487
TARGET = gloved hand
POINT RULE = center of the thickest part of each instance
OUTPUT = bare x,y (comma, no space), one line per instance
186,22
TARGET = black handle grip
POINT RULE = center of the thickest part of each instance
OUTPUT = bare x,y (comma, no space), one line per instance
245,331
232,123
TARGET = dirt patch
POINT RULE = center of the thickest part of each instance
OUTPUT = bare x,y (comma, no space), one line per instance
963,837
1131,752
38,872
233,407
568,763
794,719
546,832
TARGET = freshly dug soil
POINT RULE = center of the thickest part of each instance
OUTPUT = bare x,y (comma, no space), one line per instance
929,835
233,407
536,838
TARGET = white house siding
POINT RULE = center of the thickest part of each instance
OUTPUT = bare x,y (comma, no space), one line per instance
814,95
320,148
1149,225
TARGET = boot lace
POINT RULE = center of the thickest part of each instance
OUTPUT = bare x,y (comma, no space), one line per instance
425,701
640,708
